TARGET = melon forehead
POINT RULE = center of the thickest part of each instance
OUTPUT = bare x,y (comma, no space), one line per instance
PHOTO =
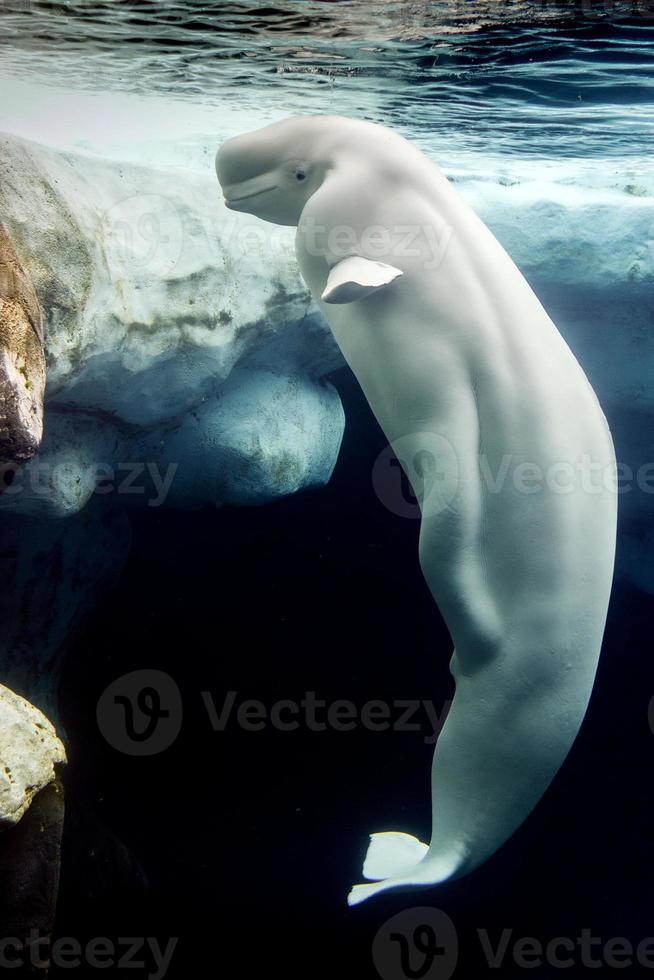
246,156
310,138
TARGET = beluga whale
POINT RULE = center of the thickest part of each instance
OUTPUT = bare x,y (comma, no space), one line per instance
502,439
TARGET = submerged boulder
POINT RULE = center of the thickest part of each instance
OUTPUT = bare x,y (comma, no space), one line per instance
31,817
177,335
185,367
30,753
22,362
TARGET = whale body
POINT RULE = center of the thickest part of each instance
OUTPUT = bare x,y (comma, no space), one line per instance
501,437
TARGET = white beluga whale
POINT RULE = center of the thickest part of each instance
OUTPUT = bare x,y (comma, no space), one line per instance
501,437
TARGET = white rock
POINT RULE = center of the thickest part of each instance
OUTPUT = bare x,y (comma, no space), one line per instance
29,752
164,313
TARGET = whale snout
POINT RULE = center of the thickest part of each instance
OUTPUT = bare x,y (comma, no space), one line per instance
270,173
240,183
230,162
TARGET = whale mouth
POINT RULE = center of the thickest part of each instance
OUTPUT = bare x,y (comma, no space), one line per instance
246,197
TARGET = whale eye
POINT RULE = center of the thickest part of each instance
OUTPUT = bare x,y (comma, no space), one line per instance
300,175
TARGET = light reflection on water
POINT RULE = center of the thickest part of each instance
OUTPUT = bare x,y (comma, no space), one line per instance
555,79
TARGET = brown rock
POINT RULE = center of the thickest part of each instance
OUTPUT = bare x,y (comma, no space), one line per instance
22,361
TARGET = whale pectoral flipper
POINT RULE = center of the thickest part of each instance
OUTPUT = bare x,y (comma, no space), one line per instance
354,278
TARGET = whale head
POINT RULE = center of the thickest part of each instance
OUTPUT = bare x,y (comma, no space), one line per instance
273,171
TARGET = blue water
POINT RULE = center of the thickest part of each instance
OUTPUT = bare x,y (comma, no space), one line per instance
533,79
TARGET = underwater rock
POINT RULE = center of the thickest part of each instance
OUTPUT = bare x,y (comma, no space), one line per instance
263,436
22,362
182,370
51,573
30,752
293,446
158,303
30,861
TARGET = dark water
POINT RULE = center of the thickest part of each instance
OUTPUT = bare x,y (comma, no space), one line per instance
243,844
558,79
247,843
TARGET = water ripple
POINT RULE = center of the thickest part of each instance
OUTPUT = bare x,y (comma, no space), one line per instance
558,78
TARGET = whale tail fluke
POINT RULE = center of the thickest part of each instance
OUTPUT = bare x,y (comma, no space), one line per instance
397,860
392,853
